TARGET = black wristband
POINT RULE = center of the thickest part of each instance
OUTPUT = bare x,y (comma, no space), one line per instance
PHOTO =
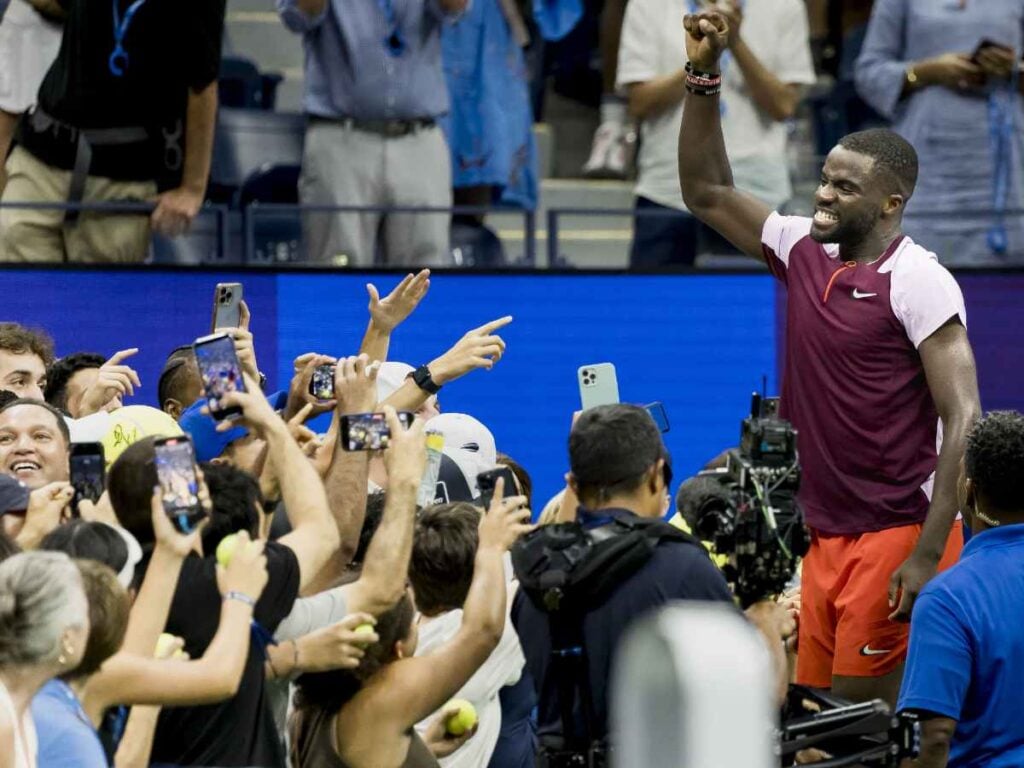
421,376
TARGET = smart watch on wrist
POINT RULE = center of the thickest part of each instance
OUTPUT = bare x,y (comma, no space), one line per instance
425,381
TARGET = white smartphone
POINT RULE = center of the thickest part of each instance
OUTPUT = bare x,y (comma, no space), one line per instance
227,306
598,385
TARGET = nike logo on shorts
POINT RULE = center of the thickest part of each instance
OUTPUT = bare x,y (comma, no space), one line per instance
858,295
867,650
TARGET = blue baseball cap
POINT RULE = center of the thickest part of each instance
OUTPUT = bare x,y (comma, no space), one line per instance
14,495
201,427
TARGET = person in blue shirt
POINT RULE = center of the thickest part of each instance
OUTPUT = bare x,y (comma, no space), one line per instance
965,665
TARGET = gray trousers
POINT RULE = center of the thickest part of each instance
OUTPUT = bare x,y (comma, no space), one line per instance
344,166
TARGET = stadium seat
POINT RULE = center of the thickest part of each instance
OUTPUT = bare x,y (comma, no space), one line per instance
248,140
242,86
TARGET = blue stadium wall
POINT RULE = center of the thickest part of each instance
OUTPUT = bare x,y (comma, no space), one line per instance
700,344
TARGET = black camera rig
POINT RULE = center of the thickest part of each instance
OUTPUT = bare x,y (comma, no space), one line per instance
756,520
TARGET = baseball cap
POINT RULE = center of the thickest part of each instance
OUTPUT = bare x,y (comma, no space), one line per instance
208,442
469,446
390,378
14,495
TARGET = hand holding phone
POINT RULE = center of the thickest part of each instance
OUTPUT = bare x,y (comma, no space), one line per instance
488,480
369,431
321,383
88,472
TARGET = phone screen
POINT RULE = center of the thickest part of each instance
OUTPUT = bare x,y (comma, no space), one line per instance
179,487
488,480
88,472
220,372
369,431
321,386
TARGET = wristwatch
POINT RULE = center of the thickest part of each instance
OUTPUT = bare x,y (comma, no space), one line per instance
911,75
425,381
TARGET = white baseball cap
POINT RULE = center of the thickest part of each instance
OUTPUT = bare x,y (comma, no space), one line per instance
390,378
468,443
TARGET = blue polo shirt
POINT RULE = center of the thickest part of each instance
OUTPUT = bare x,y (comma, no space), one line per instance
966,657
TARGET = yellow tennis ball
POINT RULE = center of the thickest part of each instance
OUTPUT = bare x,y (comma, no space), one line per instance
132,423
463,720
164,643
226,549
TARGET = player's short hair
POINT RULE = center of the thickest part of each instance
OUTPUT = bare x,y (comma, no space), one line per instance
894,156
60,372
19,340
174,377
995,459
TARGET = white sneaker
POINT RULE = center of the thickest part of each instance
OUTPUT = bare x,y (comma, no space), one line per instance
608,153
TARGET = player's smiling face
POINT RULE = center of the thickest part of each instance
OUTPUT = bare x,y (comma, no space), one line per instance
847,203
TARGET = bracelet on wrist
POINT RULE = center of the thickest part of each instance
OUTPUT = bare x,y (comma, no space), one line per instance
702,83
241,597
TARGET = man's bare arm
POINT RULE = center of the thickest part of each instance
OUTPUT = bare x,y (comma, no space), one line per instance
953,381
936,737
653,97
704,173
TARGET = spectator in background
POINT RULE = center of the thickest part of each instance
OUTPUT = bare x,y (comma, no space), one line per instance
490,126
374,92
609,151
25,354
44,625
962,114
29,40
966,657
773,58
68,378
122,114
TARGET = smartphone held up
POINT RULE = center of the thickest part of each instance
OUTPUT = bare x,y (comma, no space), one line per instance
220,371
369,431
179,482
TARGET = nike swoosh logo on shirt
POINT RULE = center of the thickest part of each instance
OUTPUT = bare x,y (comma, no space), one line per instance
858,295
867,650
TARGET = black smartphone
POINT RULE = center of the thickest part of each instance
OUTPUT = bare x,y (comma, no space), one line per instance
88,472
220,371
227,306
488,480
321,386
988,43
369,431
179,484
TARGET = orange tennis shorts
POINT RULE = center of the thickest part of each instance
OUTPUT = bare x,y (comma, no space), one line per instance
844,615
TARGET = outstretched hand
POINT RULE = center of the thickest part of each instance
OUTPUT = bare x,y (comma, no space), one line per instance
391,311
707,37
479,348
113,383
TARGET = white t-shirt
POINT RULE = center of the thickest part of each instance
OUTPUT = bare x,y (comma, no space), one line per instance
503,667
654,45
28,45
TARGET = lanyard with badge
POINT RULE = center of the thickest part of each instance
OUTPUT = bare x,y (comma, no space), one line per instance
119,56
696,6
394,42
1002,127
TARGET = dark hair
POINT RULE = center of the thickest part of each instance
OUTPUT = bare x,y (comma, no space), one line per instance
108,616
611,447
174,377
6,397
234,494
327,692
443,552
88,541
893,155
130,483
374,512
504,460
62,426
60,372
694,493
8,546
20,340
995,459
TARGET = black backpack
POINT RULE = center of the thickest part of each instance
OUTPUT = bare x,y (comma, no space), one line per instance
567,570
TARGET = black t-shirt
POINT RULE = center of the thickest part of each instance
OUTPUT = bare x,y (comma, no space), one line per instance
675,571
239,731
172,46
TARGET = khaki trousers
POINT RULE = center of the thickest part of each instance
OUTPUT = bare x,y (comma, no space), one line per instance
41,235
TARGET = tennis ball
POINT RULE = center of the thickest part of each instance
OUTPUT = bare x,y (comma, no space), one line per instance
164,644
226,549
462,720
364,629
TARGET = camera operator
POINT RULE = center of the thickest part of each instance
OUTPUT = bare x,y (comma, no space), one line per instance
966,657
876,355
620,473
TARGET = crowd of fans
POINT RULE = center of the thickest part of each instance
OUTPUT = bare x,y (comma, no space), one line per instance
429,105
